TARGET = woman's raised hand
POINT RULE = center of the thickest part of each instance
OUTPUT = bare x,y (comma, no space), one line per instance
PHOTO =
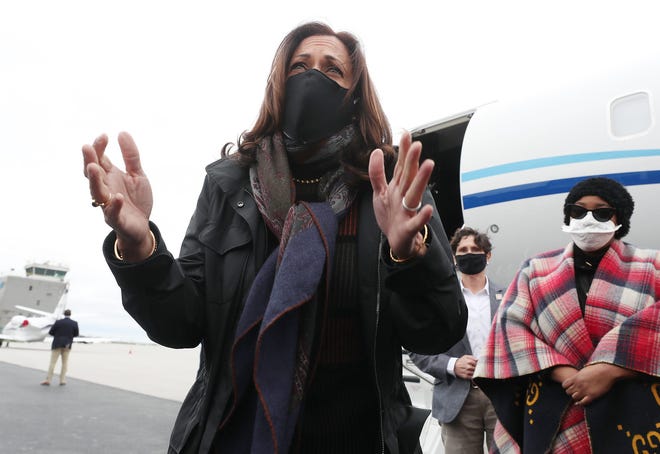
398,204
124,197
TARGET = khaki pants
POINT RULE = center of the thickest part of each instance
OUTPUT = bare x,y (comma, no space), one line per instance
54,354
465,434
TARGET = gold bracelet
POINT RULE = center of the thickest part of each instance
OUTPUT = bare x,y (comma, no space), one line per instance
414,254
153,249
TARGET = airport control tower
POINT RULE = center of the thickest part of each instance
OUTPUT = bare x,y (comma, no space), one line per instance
41,288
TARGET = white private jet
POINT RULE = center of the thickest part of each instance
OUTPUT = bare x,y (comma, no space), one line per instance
34,328
505,168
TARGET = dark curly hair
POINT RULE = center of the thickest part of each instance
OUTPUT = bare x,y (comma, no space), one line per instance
612,192
480,239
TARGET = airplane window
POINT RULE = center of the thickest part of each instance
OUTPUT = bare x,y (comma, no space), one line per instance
630,114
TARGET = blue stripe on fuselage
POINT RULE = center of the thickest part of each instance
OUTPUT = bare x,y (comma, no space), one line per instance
556,161
549,187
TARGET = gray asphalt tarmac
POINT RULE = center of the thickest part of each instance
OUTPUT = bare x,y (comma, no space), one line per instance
119,398
79,418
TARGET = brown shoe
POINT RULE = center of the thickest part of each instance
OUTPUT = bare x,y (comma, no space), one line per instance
63,383
45,383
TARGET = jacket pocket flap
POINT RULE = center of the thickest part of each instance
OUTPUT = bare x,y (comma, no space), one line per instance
224,240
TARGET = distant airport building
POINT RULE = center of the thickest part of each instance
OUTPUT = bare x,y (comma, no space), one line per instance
41,288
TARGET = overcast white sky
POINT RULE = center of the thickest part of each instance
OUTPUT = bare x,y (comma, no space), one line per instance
184,77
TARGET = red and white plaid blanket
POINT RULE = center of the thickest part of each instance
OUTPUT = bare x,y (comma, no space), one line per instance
539,325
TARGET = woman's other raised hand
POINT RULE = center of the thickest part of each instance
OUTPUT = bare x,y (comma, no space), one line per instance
124,196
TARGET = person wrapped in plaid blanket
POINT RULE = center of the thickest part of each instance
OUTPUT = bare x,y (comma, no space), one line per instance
572,362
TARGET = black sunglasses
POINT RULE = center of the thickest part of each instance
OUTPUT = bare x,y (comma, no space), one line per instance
578,212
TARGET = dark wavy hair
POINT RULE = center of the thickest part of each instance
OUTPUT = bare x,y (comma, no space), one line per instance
480,239
371,121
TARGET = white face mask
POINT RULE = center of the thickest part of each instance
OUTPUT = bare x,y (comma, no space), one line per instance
589,234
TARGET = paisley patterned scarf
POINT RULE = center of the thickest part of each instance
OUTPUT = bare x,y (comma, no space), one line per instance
274,336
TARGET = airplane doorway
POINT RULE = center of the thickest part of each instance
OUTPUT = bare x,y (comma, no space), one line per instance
443,142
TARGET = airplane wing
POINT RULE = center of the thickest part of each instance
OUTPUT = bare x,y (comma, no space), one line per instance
11,338
94,340
76,340
34,311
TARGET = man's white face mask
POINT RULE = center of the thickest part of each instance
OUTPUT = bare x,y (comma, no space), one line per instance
589,234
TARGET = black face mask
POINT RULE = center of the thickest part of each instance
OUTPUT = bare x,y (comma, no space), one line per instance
471,263
314,107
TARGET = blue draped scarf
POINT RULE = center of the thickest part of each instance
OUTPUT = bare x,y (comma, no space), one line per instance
273,341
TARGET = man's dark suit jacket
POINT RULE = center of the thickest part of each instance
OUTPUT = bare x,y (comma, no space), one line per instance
63,332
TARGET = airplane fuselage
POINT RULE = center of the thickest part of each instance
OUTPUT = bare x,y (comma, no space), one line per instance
505,167
26,329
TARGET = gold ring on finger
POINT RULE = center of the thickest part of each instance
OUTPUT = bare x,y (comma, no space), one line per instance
95,203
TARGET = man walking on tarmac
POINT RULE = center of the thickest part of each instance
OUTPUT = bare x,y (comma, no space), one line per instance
63,332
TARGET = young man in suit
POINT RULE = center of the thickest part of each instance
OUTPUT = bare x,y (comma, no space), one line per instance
63,332
461,408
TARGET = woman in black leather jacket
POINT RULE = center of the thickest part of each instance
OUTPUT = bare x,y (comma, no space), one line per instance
303,271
